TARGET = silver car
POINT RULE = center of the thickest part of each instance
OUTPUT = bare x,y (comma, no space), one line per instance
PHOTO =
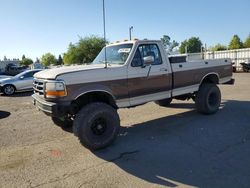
20,82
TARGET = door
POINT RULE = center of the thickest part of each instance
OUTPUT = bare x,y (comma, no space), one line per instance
148,83
25,81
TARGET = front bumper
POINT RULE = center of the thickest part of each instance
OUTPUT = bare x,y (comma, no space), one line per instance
51,108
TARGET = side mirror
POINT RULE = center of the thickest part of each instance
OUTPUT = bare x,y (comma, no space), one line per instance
21,77
148,60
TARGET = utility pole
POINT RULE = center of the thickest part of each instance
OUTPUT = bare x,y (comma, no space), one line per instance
104,32
186,49
130,30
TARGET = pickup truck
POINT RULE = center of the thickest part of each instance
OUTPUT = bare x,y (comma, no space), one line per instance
124,75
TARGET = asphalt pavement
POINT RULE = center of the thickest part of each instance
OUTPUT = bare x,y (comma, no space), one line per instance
156,147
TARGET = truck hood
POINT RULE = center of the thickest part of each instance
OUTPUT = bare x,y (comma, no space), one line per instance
54,72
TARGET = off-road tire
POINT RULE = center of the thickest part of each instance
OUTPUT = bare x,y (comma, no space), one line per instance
164,102
96,125
208,98
13,89
62,122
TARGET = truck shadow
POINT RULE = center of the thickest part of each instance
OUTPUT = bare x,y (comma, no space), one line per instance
190,105
188,148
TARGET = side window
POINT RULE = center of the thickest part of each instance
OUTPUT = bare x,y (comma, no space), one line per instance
137,60
145,50
154,50
28,75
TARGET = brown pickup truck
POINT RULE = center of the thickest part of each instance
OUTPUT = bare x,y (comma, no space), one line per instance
123,75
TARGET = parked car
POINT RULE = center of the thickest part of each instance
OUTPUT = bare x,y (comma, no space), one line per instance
20,82
245,66
12,69
125,75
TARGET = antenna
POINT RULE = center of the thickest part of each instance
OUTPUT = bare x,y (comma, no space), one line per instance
130,29
104,32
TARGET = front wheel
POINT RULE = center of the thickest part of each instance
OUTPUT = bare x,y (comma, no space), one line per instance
208,98
96,125
9,90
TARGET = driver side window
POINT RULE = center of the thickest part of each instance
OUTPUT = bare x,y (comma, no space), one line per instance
144,51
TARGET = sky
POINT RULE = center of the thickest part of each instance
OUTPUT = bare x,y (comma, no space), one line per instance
35,27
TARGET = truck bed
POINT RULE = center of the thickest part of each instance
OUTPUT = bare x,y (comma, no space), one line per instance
188,75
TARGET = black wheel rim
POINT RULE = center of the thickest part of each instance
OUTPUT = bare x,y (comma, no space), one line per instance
213,99
99,126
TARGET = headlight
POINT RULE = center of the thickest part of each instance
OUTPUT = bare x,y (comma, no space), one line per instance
55,89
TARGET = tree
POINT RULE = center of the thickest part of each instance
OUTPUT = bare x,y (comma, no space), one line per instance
218,47
193,45
169,46
23,57
59,60
235,43
247,42
48,59
26,61
84,51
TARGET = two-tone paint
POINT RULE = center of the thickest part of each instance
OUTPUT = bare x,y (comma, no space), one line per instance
130,86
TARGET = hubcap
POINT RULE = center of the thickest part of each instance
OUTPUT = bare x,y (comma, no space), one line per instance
99,126
9,90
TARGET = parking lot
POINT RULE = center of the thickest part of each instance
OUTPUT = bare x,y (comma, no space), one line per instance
157,146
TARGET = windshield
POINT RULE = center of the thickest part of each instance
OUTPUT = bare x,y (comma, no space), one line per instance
117,54
21,74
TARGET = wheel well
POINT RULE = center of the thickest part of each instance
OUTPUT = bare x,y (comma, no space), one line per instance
10,85
211,78
96,96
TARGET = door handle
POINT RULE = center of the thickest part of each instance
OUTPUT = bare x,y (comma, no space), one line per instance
163,69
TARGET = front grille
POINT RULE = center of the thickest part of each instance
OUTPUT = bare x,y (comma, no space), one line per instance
38,86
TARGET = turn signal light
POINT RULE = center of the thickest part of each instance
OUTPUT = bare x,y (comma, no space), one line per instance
55,93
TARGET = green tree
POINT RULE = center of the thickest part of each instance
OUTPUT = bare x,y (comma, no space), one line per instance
84,51
23,57
218,47
169,46
59,60
26,61
48,59
247,42
235,43
193,45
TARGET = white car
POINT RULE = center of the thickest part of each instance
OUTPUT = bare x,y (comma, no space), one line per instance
18,83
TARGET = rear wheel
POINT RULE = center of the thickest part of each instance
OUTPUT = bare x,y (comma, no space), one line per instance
164,102
208,98
96,125
62,121
9,90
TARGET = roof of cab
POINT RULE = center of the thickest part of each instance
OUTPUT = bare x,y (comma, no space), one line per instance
132,42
